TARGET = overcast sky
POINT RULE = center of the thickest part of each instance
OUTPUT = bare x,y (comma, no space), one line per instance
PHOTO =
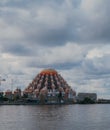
71,36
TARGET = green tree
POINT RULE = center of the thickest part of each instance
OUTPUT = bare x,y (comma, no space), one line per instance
87,100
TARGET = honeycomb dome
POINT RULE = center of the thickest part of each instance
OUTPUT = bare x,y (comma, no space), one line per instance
48,80
48,72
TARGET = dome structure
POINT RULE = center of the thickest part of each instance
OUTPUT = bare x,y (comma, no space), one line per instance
49,80
49,72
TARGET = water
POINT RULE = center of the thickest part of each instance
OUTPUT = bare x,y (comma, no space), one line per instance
64,117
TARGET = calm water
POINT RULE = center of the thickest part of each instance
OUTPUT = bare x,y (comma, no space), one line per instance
66,117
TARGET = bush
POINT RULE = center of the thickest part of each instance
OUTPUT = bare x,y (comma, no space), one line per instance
87,100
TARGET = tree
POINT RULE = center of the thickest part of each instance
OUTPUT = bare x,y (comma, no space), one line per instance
87,100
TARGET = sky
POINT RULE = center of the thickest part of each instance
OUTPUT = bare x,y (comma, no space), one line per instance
70,36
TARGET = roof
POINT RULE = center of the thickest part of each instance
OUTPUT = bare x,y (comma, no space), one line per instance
48,71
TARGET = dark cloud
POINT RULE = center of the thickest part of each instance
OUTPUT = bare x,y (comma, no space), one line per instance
50,37
17,49
57,22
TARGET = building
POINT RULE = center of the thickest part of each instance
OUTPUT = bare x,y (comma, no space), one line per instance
17,93
48,84
103,101
9,94
83,96
1,94
28,93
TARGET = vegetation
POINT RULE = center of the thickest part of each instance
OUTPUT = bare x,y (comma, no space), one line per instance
87,100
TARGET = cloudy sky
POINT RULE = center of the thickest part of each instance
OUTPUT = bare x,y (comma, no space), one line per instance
71,36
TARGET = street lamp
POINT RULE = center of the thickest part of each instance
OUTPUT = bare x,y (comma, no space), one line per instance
1,80
12,85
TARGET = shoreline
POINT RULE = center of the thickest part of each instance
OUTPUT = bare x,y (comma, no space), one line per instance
37,103
24,103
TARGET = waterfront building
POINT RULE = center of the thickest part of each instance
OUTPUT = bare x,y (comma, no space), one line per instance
9,94
17,93
49,83
83,96
1,95
28,93
103,101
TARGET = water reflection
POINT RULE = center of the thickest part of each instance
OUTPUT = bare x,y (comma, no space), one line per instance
59,117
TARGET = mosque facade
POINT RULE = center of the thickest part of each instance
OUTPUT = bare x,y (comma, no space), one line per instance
50,86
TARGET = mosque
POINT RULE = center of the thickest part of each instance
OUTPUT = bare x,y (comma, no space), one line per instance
49,87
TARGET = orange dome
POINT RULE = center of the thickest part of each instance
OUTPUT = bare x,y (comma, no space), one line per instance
48,71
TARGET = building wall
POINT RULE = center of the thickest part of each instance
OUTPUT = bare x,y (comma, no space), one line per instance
9,95
82,96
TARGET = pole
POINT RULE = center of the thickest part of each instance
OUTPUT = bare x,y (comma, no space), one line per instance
0,82
12,84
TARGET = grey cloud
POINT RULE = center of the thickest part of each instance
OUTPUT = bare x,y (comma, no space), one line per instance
57,34
55,23
62,57
59,66
50,37
48,30
17,49
97,66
